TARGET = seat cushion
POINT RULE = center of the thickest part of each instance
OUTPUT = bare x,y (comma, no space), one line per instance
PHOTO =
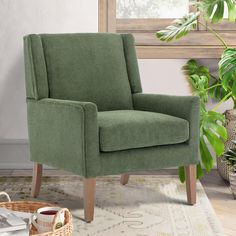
128,129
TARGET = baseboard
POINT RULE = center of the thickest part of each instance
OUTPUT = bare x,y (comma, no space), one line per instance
14,154
16,166
14,141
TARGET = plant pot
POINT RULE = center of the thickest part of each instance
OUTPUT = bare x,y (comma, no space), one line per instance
232,181
230,125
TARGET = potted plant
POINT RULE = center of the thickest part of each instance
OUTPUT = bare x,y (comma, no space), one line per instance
222,88
216,91
230,158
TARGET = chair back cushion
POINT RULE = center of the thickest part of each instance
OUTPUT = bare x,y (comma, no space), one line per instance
94,67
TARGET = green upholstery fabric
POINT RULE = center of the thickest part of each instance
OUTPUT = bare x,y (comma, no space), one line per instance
185,107
79,66
64,134
144,159
35,68
128,129
131,63
154,158
70,77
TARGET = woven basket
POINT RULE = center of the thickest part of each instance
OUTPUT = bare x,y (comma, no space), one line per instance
30,206
232,180
230,125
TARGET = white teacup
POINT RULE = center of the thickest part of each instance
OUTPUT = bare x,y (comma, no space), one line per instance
47,217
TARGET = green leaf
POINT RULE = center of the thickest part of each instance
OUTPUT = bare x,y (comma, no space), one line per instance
206,156
192,67
213,115
234,88
231,10
230,157
219,129
181,174
214,9
218,92
199,171
179,27
215,142
232,152
227,70
212,129
199,85
212,121
198,77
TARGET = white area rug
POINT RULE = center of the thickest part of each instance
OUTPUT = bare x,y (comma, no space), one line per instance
146,206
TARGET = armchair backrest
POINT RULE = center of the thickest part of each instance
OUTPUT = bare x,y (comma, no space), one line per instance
95,67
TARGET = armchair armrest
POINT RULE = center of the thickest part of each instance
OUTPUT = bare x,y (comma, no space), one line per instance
186,107
64,134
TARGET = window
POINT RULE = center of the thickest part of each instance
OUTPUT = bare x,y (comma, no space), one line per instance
143,18
151,8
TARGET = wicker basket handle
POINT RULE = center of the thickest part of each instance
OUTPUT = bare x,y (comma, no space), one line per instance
67,216
7,196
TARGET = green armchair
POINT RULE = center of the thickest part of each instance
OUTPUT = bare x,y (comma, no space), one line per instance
87,113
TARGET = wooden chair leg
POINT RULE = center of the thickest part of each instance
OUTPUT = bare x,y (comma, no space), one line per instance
124,179
89,199
36,181
190,176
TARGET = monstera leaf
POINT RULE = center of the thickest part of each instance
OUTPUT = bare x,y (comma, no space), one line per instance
199,86
218,92
198,77
213,132
214,9
192,67
179,28
227,70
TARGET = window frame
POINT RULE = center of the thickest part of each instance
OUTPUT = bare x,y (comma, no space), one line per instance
199,43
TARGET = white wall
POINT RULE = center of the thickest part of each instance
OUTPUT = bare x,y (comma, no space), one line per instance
163,76
18,18
21,17
166,77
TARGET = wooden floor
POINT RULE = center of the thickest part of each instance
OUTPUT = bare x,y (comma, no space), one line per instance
217,190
